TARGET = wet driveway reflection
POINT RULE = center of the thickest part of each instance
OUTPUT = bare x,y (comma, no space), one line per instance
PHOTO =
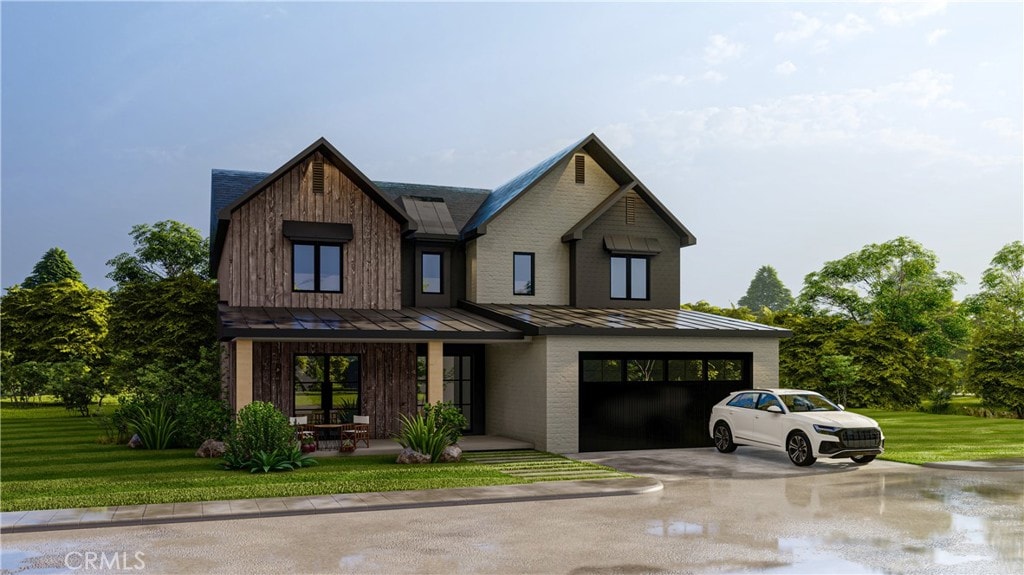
741,513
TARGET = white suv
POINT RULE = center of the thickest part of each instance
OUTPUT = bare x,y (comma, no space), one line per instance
802,423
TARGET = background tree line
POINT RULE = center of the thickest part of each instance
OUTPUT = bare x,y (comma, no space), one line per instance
880,327
152,337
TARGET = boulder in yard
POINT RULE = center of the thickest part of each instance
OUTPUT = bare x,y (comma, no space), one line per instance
135,442
451,454
410,456
211,448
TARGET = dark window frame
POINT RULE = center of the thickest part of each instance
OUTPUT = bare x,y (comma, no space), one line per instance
316,266
533,273
629,278
623,358
440,272
326,385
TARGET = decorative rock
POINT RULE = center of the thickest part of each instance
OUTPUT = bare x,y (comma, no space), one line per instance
135,442
451,454
408,455
211,448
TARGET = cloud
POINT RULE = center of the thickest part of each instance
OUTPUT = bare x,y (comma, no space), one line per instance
897,14
786,68
673,79
720,49
934,37
1003,127
868,120
849,27
803,27
714,76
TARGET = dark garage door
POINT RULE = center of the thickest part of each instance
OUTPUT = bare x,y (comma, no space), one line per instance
654,400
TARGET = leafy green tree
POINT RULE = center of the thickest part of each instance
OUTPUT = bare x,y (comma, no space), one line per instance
892,369
839,373
996,360
164,250
55,322
766,290
896,281
55,265
741,313
26,380
75,384
163,335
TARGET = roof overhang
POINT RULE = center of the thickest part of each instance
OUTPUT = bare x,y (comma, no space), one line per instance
541,320
406,324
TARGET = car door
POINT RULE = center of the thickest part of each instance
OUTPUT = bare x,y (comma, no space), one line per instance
767,426
740,414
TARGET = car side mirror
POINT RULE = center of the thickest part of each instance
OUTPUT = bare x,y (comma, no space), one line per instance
774,409
841,408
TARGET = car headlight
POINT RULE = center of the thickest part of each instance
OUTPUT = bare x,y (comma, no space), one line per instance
827,429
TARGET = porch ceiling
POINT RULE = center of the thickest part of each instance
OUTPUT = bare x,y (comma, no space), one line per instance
566,320
409,324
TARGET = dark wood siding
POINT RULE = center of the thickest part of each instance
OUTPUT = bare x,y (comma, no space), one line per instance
591,264
387,377
256,264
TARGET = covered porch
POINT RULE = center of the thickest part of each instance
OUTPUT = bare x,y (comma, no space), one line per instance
329,365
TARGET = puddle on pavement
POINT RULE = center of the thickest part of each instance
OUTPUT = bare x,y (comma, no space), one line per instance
24,562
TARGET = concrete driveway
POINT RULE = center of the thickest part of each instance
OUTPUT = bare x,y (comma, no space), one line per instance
751,511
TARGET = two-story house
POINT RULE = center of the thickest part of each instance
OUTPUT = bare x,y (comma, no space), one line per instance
546,309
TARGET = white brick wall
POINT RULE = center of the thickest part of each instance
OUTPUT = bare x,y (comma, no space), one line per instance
535,223
516,398
518,390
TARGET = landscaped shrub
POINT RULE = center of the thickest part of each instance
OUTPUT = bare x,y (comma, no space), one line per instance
448,417
156,426
425,434
259,427
278,460
202,418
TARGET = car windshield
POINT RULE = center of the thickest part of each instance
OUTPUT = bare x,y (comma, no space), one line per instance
807,402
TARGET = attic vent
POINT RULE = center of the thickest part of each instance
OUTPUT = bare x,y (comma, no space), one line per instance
630,210
318,176
579,169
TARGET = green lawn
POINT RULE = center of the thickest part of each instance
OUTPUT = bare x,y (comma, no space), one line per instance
918,437
51,459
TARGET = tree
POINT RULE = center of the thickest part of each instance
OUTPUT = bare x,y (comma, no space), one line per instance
164,250
55,322
896,281
766,290
996,360
55,265
741,313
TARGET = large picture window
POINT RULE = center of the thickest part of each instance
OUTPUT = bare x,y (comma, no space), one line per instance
316,267
629,277
522,273
327,383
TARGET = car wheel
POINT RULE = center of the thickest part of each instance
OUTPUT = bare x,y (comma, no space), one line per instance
723,438
863,459
799,449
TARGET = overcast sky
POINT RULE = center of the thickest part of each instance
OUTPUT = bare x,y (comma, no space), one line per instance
782,134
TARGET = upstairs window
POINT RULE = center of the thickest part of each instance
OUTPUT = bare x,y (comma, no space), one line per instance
316,267
629,278
430,264
522,273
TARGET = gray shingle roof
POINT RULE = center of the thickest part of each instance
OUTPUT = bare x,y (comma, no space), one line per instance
227,186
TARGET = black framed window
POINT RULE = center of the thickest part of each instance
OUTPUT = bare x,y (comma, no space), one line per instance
629,367
431,268
523,273
328,383
316,267
630,277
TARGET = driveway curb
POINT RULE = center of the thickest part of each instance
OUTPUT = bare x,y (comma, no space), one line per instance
161,513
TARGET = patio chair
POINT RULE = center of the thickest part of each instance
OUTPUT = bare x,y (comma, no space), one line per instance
358,430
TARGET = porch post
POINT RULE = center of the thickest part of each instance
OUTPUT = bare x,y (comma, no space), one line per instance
243,373
435,371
